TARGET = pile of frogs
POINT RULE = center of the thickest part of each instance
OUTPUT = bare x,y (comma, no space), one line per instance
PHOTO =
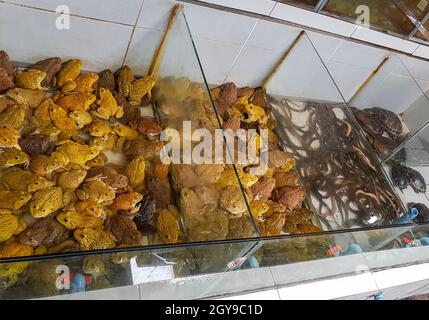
79,164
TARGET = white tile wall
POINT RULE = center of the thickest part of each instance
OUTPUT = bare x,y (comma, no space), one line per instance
38,38
258,6
155,14
422,51
124,11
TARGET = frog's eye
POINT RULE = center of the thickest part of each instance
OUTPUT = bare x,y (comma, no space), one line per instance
22,199
16,158
34,207
44,210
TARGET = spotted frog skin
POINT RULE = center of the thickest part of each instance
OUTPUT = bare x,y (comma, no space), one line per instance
9,137
68,73
97,191
13,117
76,101
74,220
107,106
62,121
28,97
127,202
167,225
14,200
126,132
81,118
99,128
125,80
10,157
71,180
22,180
94,239
85,82
136,171
46,201
140,88
30,79
77,153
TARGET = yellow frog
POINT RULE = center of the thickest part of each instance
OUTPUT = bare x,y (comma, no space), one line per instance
249,112
15,249
98,161
85,82
167,225
43,165
30,79
62,121
96,190
90,208
76,101
94,266
105,143
136,172
13,117
71,180
67,75
77,153
28,97
9,137
10,157
125,80
14,200
99,128
94,239
74,220
141,88
50,131
126,132
21,180
22,225
81,118
46,201
107,106
42,117
128,202
8,225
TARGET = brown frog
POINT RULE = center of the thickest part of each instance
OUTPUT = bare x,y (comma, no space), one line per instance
125,230
288,179
231,199
295,218
22,180
280,160
106,80
141,88
77,153
94,239
119,182
85,82
160,192
76,101
263,189
81,117
46,201
127,202
35,144
146,126
46,232
96,190
149,149
94,266
291,197
75,220
6,65
167,224
212,225
125,132
6,82
125,80
50,66
43,165
27,97
10,157
71,180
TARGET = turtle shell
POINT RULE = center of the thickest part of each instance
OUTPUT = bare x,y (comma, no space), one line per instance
416,180
389,120
400,176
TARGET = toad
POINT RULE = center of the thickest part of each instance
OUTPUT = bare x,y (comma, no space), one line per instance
107,106
140,88
209,173
273,225
288,179
291,197
81,118
136,172
62,121
75,220
10,157
127,202
21,180
6,82
295,218
146,126
96,190
71,180
35,144
51,67
212,225
160,192
160,170
98,161
110,175
94,239
76,101
15,249
13,117
94,266
125,132
167,225
106,80
8,226
46,201
6,65
208,194
77,153
263,189
125,80
148,149
41,116
68,73
125,230
183,176
43,165
27,97
280,160
99,128
85,82
46,232
231,199
30,79
90,208
9,137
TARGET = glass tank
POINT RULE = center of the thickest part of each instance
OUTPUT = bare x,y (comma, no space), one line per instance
94,205
305,3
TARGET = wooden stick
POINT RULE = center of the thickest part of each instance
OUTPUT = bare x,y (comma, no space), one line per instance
372,75
154,66
279,64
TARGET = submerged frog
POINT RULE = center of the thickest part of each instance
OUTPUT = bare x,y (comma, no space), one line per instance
94,239
30,79
68,73
107,106
46,232
77,153
22,180
127,202
9,137
10,157
96,190
27,97
94,266
46,201
167,225
75,220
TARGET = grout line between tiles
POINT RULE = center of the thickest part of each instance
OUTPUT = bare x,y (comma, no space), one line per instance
241,50
132,32
272,10
71,15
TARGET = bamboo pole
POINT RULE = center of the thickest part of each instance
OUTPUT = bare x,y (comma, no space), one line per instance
154,66
280,62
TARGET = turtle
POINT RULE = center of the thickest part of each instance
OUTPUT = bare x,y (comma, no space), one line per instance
404,176
388,120
423,216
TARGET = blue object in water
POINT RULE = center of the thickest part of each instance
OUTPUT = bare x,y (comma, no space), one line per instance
407,217
353,249
379,296
424,241
78,283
